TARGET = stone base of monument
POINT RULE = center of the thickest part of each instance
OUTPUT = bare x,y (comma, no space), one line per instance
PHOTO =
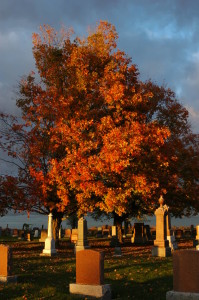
49,249
48,253
117,252
172,295
114,242
161,251
172,242
102,292
8,279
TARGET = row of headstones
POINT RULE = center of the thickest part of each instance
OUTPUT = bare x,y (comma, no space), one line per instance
18,233
186,262
140,233
163,245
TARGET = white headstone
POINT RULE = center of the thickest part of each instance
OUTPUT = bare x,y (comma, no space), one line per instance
82,242
36,234
49,249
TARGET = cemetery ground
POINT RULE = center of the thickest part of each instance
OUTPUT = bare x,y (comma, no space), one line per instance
134,275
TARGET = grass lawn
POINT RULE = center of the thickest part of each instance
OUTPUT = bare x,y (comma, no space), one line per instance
134,275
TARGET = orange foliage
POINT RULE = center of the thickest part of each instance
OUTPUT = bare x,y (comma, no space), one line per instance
97,120
95,129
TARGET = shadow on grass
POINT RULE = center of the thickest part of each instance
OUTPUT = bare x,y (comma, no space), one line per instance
44,279
57,287
136,277
155,288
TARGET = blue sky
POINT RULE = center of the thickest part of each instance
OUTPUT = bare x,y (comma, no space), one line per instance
161,36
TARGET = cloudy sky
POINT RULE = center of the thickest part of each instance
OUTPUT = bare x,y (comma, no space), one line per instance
161,36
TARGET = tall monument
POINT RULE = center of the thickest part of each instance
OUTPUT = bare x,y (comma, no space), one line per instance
49,248
161,244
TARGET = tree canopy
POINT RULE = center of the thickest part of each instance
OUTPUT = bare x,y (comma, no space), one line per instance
95,136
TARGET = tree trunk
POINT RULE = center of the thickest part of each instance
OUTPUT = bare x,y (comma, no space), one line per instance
72,220
57,220
118,223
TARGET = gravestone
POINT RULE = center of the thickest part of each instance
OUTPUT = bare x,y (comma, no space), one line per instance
185,275
196,244
115,242
153,232
117,251
82,242
147,233
49,248
179,233
6,264
90,275
15,233
44,235
126,227
187,233
129,233
92,231
105,230
28,236
170,236
193,231
99,232
114,238
21,234
67,233
36,233
110,230
138,234
74,236
8,231
114,230
161,244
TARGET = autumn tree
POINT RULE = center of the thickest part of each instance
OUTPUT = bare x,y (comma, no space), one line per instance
22,192
97,136
125,140
95,96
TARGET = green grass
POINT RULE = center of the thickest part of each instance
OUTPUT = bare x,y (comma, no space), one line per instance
134,275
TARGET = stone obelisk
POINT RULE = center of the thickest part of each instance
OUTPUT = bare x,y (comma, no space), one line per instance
49,248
